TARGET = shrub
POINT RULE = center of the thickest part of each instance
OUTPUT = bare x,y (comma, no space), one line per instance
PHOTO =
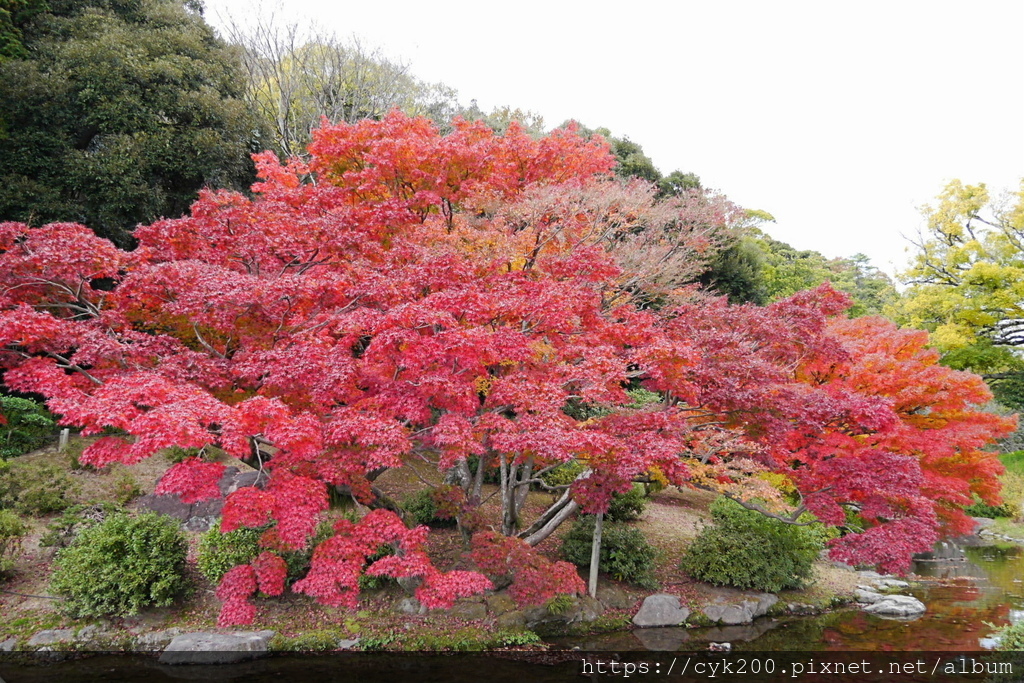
219,552
746,549
563,474
425,507
178,454
625,553
12,531
625,507
121,565
372,583
1010,638
34,488
28,426
980,509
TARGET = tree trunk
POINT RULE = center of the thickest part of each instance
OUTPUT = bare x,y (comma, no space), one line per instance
595,553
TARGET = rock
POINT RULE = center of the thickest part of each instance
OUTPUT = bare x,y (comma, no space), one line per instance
194,516
613,597
411,606
579,610
242,480
802,608
499,603
9,645
719,647
742,610
891,583
468,610
897,606
51,636
865,574
982,523
216,648
867,596
765,601
409,583
348,643
513,621
661,609
590,608
156,640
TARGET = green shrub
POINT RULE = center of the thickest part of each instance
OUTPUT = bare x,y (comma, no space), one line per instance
746,549
34,488
423,507
219,552
1011,638
12,531
625,553
76,519
628,506
121,565
980,509
372,583
177,454
563,474
28,426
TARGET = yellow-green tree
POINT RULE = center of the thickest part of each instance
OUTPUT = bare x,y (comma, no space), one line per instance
966,283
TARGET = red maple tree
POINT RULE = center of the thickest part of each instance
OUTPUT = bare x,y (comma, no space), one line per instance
446,298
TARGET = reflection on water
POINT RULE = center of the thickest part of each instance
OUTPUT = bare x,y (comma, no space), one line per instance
968,590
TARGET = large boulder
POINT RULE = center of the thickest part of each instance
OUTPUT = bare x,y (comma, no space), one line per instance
52,637
897,606
741,610
661,609
203,515
216,648
613,597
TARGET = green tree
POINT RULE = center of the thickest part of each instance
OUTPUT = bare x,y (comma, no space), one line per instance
117,112
633,162
14,14
759,269
966,284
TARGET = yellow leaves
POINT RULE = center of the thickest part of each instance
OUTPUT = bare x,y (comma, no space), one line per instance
482,384
543,350
658,477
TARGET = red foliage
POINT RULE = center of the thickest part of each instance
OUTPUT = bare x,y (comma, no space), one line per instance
236,587
535,579
450,295
192,479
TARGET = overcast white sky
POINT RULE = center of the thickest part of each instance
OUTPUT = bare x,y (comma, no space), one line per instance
839,118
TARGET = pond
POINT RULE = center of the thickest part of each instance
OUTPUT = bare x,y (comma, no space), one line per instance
969,590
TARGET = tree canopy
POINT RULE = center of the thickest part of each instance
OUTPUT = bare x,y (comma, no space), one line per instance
966,283
117,113
473,301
